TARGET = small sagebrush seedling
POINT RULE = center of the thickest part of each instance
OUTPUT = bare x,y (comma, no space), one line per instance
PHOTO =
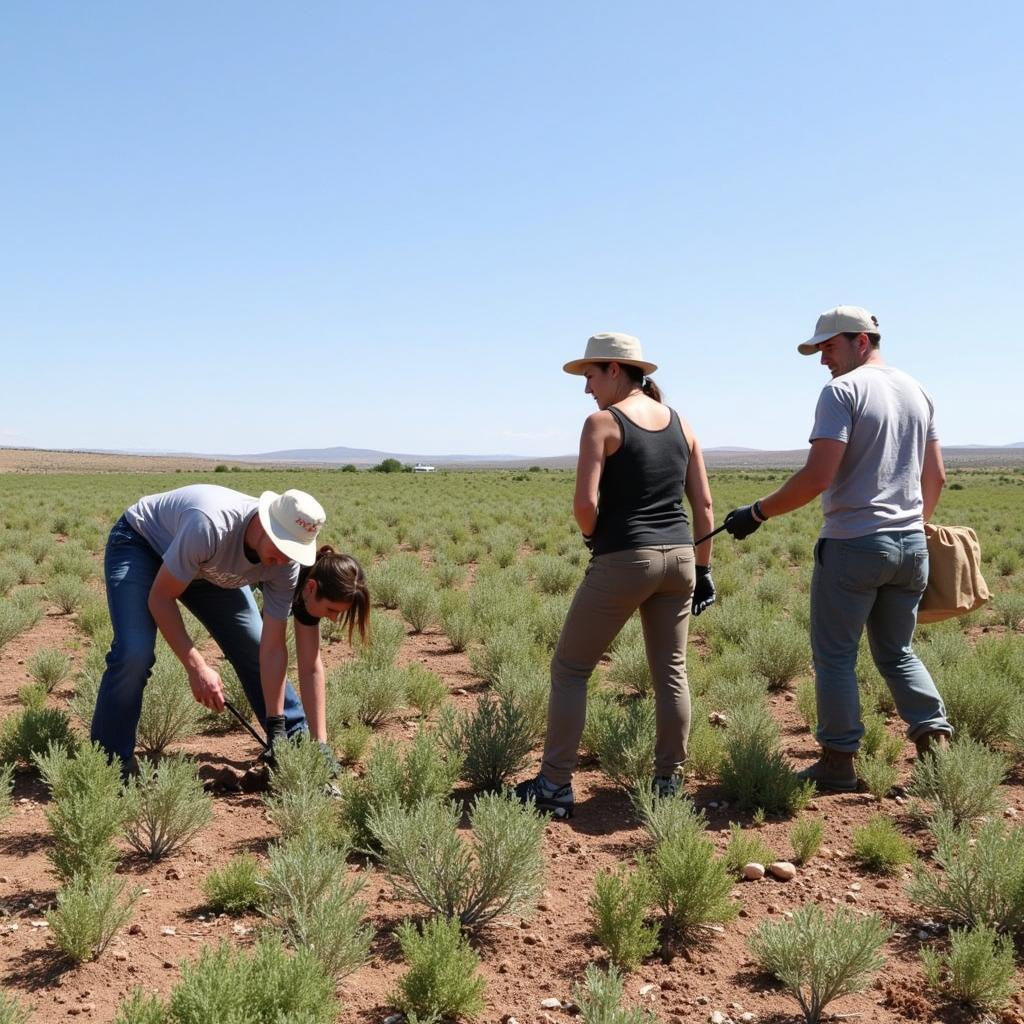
979,967
877,773
300,802
805,837
140,1008
11,1011
879,846
620,904
600,999
235,888
169,712
168,807
31,731
962,780
744,847
88,913
493,741
443,980
48,667
819,959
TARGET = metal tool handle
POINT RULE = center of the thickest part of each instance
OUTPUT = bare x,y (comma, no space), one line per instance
245,725
708,536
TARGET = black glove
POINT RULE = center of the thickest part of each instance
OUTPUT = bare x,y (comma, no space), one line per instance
276,733
588,539
743,521
704,591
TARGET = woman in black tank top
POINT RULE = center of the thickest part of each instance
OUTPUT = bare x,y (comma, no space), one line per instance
636,460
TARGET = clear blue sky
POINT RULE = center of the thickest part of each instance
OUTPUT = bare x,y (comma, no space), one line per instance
239,227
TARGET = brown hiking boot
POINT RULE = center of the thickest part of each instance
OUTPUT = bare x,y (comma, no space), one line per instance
931,743
832,771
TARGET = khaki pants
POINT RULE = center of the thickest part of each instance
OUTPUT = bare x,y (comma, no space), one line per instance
657,581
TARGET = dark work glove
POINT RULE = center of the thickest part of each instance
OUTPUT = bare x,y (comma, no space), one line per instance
743,521
588,539
704,591
276,733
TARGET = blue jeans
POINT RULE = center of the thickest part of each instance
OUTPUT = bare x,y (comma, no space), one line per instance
875,581
130,566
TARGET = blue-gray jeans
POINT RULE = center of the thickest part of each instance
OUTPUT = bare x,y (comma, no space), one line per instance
232,617
874,581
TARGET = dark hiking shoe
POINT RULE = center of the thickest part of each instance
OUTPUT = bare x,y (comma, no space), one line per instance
667,786
832,771
558,801
931,743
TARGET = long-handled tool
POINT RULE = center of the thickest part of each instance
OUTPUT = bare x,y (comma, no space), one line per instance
245,725
708,536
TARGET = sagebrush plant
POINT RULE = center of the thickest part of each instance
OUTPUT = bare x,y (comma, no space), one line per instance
300,801
424,690
600,999
493,740
224,721
169,711
805,838
745,848
962,780
168,806
979,967
982,876
48,667
880,847
630,668
31,731
754,772
140,1008
6,790
819,959
457,621
361,691
528,686
235,888
89,911
421,771
443,980
667,817
620,904
878,742
258,986
312,903
778,651
419,606
67,592
33,696
691,885
807,703
877,774
11,1011
622,737
86,812
499,872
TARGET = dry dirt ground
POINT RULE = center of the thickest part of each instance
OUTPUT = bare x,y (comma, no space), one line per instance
524,961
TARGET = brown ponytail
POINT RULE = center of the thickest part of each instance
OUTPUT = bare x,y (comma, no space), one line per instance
339,577
636,375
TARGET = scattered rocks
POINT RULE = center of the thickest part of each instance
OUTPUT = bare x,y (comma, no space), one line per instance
717,718
782,870
168,929
551,1004
135,929
394,1018
753,871
647,989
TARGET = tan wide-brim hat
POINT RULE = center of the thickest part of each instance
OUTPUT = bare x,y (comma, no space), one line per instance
292,520
841,320
611,348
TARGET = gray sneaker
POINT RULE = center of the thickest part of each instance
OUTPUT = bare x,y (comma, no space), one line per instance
665,786
558,801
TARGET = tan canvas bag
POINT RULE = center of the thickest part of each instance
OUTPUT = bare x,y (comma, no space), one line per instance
955,583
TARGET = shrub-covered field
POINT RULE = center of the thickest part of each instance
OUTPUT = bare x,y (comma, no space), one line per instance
412,885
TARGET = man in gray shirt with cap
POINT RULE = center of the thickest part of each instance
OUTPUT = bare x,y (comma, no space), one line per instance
204,546
876,461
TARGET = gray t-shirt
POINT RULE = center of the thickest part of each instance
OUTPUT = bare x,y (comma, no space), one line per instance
199,533
885,418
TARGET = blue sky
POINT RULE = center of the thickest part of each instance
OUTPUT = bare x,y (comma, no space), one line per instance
241,227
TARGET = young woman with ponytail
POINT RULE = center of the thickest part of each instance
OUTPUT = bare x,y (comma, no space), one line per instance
333,587
637,458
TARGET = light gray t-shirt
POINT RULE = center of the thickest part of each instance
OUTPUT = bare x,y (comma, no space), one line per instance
885,418
199,533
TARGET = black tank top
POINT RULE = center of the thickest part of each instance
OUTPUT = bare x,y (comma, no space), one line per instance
640,497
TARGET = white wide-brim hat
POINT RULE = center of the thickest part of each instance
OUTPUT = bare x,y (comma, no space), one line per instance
611,348
292,520
841,320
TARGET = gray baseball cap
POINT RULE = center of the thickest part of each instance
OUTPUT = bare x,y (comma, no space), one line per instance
841,320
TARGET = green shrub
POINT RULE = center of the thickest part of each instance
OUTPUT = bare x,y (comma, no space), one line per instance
168,807
744,848
978,969
421,771
805,837
600,999
235,888
528,686
982,877
457,622
962,780
877,773
66,592
300,802
424,690
6,790
83,703
554,575
32,696
94,616
879,846
1009,609
506,647
818,959
48,667
361,691
443,980
754,773
449,575
140,1008
419,606
350,741
86,812
169,711
492,741
11,1011
691,886
630,668
983,691
666,818
622,737
89,911
259,986
705,749
308,898
427,860
620,904
15,619
807,703
878,742
383,643
777,651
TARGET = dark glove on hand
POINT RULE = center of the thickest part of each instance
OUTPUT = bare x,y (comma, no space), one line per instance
743,521
276,733
704,591
588,539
